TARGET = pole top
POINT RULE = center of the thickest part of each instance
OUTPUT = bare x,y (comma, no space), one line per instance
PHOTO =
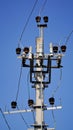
38,20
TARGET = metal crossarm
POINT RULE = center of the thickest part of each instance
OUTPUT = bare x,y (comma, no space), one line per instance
31,110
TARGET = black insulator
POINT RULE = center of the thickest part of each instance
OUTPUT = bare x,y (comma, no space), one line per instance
38,19
30,102
55,49
63,48
13,104
26,50
51,100
18,50
45,18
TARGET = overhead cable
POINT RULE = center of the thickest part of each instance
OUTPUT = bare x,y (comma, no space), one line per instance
29,94
19,82
23,118
54,119
59,83
33,116
42,7
67,39
27,22
28,85
5,119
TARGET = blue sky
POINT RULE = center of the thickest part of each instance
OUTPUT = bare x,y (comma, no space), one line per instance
13,16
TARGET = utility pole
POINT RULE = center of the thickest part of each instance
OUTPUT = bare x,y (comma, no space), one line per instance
39,77
40,65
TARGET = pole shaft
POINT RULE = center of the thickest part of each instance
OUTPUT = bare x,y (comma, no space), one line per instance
39,77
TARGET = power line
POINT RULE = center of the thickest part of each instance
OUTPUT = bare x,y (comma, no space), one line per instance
19,83
42,8
27,22
59,83
29,94
5,119
67,39
28,85
33,116
54,119
23,118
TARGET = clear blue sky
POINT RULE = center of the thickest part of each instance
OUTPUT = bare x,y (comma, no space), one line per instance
13,16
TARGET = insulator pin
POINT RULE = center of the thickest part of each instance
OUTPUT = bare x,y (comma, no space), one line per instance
63,48
38,19
13,104
26,50
55,49
30,102
51,100
45,18
18,50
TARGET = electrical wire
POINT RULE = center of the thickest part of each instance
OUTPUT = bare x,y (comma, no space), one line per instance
23,118
28,85
41,102
54,119
19,83
33,116
58,86
29,94
43,6
27,22
5,119
59,83
67,39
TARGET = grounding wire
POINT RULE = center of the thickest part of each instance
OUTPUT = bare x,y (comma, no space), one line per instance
42,8
5,119
68,37
59,83
27,22
23,118
19,83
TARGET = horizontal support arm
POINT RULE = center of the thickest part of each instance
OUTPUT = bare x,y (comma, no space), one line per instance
30,110
54,107
18,111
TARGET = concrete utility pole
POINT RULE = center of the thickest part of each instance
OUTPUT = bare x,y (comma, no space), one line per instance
39,78
40,65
